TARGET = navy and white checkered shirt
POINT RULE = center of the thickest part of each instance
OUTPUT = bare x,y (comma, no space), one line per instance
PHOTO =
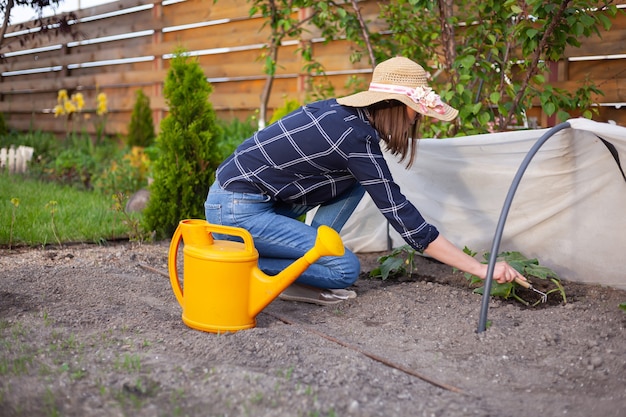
316,153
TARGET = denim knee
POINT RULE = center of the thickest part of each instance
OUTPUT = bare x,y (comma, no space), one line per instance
350,271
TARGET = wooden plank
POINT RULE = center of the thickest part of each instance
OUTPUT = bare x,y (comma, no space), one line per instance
89,12
232,64
119,25
119,99
24,43
227,35
614,89
113,7
113,26
48,123
204,11
611,43
115,50
57,81
597,69
236,33
335,56
247,64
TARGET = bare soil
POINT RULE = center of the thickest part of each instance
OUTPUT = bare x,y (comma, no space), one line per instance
96,331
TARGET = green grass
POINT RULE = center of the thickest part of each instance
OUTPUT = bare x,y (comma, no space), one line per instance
79,216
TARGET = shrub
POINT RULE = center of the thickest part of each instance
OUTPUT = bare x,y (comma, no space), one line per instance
233,133
73,167
141,128
287,107
126,174
188,149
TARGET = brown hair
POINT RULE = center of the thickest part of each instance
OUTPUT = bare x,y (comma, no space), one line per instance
399,133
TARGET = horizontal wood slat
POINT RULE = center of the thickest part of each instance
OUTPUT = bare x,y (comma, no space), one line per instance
205,10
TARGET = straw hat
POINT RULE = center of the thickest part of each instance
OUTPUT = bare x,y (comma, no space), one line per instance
403,80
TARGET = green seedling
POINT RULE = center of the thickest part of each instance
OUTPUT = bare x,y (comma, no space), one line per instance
135,233
51,206
16,202
401,261
530,268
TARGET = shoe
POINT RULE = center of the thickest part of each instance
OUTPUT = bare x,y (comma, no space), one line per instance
314,295
343,294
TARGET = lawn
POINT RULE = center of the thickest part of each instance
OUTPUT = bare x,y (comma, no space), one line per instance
41,213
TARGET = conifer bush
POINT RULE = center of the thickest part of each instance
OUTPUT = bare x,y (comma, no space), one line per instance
141,127
188,149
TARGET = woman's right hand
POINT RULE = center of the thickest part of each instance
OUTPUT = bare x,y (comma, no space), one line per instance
503,272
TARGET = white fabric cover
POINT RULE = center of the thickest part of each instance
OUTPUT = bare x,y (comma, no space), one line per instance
568,211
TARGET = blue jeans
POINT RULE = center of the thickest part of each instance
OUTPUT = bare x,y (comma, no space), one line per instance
280,238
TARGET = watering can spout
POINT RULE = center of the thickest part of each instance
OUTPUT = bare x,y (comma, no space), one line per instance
265,288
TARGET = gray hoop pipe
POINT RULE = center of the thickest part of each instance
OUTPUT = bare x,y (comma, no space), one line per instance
482,322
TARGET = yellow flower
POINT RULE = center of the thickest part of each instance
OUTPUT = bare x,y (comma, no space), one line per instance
62,96
69,107
102,104
58,110
79,100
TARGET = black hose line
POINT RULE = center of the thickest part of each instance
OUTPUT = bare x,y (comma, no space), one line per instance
482,323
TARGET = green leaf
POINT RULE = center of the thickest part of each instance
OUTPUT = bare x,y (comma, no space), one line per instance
497,289
469,251
562,115
468,61
494,97
539,271
623,306
483,118
606,22
531,33
549,108
388,267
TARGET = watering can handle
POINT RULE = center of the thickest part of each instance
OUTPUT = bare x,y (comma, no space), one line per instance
234,231
213,228
172,263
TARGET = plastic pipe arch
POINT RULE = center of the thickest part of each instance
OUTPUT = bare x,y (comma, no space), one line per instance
482,322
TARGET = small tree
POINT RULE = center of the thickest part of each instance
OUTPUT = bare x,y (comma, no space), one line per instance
490,58
141,128
187,148
58,25
333,20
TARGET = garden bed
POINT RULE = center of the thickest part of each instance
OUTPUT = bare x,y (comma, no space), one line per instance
96,331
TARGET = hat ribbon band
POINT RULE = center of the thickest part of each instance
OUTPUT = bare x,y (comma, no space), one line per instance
424,97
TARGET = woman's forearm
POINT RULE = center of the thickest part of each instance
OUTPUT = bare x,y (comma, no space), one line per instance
444,251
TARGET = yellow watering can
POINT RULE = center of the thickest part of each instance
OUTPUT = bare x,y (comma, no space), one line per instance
224,289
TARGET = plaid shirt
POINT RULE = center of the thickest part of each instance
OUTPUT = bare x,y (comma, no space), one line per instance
316,153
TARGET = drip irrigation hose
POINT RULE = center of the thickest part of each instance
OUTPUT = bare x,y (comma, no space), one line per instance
377,358
482,322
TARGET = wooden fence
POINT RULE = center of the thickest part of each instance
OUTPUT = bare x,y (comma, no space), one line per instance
125,46
15,160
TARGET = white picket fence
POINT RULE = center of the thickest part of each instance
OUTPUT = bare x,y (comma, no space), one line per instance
15,160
